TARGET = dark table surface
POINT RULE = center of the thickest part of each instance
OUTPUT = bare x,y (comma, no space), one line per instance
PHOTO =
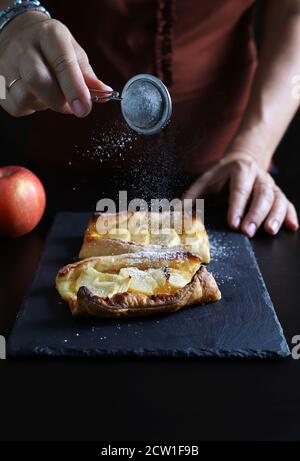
134,399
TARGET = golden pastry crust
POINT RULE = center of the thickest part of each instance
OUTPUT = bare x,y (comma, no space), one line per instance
202,287
193,240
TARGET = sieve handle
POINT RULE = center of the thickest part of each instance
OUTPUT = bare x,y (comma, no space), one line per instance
100,95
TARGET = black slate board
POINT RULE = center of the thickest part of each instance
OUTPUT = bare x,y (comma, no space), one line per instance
242,324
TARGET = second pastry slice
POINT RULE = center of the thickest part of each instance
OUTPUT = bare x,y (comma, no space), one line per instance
134,232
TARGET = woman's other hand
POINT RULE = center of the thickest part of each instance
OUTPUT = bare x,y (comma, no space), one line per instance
254,197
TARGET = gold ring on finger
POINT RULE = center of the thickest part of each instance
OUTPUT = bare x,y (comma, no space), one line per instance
15,80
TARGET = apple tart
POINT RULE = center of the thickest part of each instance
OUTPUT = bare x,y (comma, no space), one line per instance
134,232
131,285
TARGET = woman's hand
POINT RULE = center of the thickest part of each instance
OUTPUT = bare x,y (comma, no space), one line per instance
54,70
254,198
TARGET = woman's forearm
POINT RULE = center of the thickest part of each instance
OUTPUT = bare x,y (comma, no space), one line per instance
273,102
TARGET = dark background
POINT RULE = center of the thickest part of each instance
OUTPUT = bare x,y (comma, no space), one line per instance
156,400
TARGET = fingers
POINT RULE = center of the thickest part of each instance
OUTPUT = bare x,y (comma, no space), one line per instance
88,73
24,99
241,185
277,214
262,202
10,104
12,109
291,219
269,205
59,52
249,185
20,101
40,82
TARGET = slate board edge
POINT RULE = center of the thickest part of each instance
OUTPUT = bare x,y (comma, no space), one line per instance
284,345
31,283
142,353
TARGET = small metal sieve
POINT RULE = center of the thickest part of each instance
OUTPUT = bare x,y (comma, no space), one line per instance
145,103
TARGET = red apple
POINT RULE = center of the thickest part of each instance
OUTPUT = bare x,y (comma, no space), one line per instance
22,201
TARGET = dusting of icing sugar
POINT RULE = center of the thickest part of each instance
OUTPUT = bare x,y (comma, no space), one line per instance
220,246
154,255
109,143
221,249
222,279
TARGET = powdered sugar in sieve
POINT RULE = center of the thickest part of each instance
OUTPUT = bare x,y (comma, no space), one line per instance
146,104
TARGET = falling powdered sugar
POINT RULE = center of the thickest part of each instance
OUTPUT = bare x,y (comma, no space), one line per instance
109,143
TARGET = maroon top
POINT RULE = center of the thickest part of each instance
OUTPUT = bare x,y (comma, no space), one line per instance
203,50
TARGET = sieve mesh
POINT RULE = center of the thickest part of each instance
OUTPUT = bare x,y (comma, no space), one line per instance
142,104
146,104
